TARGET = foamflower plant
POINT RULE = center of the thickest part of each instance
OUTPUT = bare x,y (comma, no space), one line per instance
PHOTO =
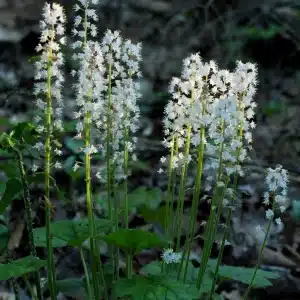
49,79
208,123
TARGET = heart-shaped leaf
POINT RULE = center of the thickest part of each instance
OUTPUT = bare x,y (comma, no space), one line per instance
70,232
133,240
245,274
151,198
71,287
21,267
155,287
24,132
74,145
154,268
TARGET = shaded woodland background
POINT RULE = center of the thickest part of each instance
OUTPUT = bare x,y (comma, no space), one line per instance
266,32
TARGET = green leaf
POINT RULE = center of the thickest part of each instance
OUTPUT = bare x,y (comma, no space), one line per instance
74,145
69,163
244,275
25,132
154,268
4,141
69,232
133,240
13,188
154,215
155,287
139,165
21,267
151,198
2,187
11,168
71,287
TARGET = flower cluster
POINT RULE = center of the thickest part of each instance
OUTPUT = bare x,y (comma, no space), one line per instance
188,111
169,256
217,100
90,88
122,60
107,91
233,111
48,74
82,24
276,180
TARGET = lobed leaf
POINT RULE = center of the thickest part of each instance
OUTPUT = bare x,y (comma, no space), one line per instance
70,232
155,287
21,267
133,240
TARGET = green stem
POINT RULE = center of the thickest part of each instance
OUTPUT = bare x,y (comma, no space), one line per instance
259,259
228,219
125,167
108,142
116,220
173,189
126,204
182,185
48,206
95,261
87,277
29,222
89,202
195,203
168,203
212,221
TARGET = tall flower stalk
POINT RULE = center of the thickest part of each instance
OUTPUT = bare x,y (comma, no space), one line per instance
186,117
235,116
120,120
48,69
89,89
276,181
243,86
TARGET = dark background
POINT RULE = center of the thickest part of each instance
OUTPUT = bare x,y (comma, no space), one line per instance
263,32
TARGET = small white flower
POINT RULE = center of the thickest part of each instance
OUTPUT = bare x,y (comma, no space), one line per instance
220,184
169,256
58,152
39,146
160,171
227,243
90,150
269,214
163,159
278,221
57,165
258,228
34,168
203,223
282,208
76,167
